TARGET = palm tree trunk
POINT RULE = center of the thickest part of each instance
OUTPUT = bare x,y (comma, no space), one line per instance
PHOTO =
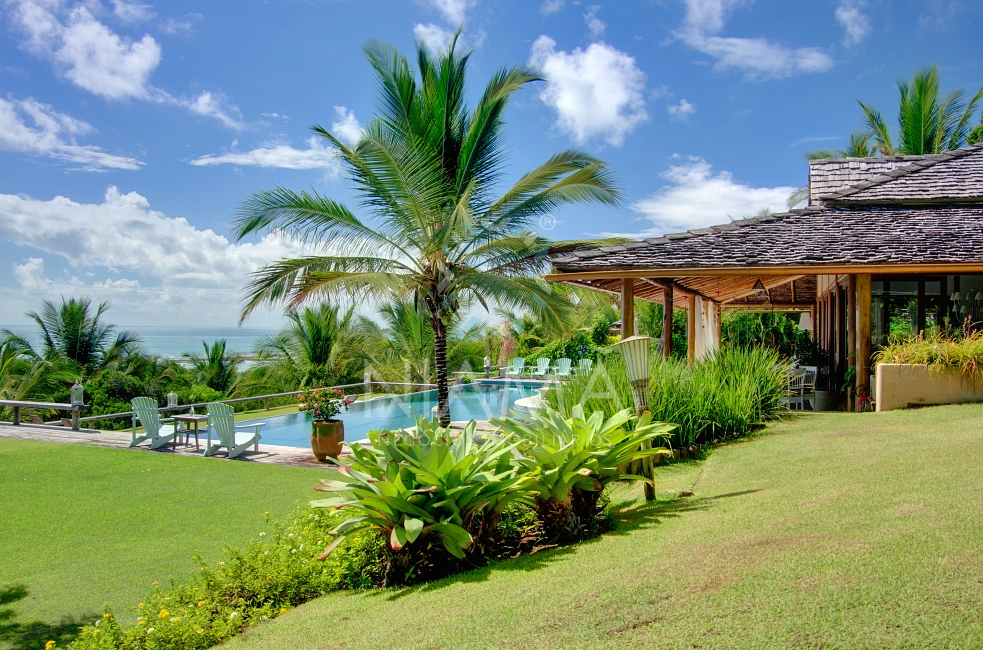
440,352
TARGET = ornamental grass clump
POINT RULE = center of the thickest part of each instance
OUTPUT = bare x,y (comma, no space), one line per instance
573,459
963,354
724,396
436,496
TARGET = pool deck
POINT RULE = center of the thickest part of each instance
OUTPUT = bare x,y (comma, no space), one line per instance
273,454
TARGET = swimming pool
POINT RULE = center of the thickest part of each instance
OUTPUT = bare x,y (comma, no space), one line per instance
478,401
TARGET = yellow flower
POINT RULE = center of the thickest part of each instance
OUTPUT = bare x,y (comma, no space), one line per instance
200,631
283,610
140,605
143,622
175,619
105,615
155,583
49,645
267,513
200,603
164,613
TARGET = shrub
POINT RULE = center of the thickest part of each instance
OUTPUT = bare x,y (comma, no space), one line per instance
723,396
323,405
199,395
579,346
259,582
427,492
939,353
573,459
111,391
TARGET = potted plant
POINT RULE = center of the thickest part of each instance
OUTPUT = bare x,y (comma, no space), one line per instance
327,433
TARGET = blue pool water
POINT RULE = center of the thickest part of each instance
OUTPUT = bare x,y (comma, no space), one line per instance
470,402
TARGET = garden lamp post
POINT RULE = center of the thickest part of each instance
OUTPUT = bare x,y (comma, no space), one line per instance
77,397
635,352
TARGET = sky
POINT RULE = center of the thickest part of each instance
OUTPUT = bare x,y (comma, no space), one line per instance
130,132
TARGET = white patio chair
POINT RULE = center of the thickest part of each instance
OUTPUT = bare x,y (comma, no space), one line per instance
145,411
796,379
518,367
809,386
585,366
221,421
563,367
542,368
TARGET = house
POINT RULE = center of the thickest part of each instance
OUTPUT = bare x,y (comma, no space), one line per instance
885,245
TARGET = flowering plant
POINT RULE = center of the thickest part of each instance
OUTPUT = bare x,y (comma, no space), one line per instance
323,404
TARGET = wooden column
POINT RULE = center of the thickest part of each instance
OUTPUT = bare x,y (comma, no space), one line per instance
837,333
815,325
720,313
863,330
667,318
851,328
691,331
627,307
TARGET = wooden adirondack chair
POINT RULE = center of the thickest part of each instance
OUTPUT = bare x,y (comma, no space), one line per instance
221,423
586,365
563,367
518,367
145,410
542,368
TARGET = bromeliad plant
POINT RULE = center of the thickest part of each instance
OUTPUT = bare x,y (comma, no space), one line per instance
574,458
428,491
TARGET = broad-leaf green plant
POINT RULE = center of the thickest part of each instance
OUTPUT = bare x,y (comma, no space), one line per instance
431,492
574,458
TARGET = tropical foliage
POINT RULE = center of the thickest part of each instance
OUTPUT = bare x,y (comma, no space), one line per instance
216,368
722,397
424,491
939,352
574,458
434,233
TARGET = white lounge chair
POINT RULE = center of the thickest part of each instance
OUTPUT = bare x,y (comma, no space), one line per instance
145,411
518,367
563,367
585,366
221,422
542,368
796,381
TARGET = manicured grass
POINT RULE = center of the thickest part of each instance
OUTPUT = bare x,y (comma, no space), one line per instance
825,531
84,526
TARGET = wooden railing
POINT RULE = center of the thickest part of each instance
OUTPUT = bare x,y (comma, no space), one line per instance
17,405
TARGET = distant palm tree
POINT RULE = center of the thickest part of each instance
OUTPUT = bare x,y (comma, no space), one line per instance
859,147
927,122
319,346
426,170
217,369
403,349
74,332
24,376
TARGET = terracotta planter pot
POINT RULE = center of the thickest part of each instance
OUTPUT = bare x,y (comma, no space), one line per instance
327,438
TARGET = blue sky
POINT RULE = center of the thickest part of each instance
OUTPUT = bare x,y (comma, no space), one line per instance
130,132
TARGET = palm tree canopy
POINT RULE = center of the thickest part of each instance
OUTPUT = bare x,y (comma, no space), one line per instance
426,170
74,331
927,122
217,368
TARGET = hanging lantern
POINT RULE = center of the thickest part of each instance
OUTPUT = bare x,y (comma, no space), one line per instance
979,296
77,394
171,399
805,321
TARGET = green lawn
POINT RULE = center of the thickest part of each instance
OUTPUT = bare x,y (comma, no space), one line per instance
85,526
826,531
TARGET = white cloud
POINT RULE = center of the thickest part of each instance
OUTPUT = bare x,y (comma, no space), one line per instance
697,197
53,135
132,12
96,59
214,105
594,24
435,37
282,156
346,128
453,11
551,6
853,21
164,267
681,111
185,26
759,57
596,92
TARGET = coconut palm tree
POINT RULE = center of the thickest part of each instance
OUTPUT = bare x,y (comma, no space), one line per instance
927,122
217,369
434,232
319,346
76,333
404,348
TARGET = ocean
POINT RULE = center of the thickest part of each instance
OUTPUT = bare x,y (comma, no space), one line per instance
173,342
